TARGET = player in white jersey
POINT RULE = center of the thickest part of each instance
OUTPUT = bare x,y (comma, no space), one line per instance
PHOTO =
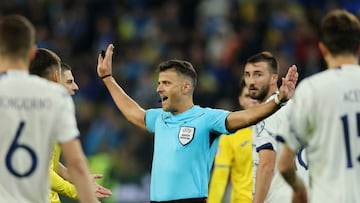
34,113
261,75
46,65
325,118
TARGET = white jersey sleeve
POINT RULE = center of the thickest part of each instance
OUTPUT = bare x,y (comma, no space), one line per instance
266,137
66,129
301,157
298,129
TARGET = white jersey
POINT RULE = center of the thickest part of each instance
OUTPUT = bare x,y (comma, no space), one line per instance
269,135
301,157
34,113
265,136
325,119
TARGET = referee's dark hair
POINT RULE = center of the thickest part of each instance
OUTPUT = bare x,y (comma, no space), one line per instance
182,67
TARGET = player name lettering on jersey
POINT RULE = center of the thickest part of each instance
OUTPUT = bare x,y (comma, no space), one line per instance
25,103
352,96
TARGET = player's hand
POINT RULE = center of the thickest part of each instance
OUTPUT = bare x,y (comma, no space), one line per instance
104,66
287,87
100,191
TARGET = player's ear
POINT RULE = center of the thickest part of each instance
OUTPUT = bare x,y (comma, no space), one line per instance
324,51
55,76
32,52
274,78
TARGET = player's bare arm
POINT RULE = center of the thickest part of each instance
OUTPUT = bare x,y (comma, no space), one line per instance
131,110
63,172
264,174
78,170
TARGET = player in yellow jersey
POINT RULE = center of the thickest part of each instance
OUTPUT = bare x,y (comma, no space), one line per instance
60,184
234,160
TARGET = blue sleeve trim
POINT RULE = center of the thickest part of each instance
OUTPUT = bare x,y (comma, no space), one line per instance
280,138
301,161
265,146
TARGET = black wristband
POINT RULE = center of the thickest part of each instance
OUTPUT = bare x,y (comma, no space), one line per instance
278,102
105,76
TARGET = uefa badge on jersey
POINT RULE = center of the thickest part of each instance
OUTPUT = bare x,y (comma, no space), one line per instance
260,127
186,135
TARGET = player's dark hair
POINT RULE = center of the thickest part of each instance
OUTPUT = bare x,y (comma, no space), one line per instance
266,57
65,66
340,32
181,67
44,63
17,36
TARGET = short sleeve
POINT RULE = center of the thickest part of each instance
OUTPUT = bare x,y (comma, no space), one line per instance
265,142
267,131
299,117
151,115
217,120
66,126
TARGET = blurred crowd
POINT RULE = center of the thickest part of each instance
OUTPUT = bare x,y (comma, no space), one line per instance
216,36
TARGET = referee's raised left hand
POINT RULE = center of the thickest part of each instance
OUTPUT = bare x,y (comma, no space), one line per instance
104,66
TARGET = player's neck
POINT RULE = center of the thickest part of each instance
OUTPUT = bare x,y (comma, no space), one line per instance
337,61
11,64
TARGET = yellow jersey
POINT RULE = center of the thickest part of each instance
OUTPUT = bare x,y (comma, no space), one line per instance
58,184
234,159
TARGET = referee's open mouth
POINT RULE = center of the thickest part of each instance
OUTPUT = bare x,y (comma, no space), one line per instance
163,99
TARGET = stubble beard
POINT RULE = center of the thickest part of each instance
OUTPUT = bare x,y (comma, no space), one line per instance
261,96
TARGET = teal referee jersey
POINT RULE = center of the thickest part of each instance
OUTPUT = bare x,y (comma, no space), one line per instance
184,150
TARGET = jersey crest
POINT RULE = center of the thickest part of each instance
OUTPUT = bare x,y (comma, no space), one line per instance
260,127
186,135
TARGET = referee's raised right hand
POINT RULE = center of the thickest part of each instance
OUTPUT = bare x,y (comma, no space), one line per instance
287,88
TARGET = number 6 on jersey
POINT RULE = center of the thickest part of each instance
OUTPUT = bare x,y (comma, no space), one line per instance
14,147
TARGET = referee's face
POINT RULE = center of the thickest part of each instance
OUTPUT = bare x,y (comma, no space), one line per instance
170,89
258,79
